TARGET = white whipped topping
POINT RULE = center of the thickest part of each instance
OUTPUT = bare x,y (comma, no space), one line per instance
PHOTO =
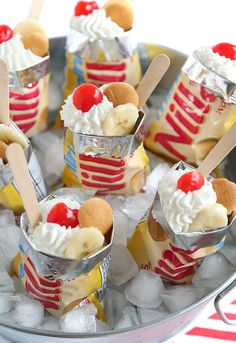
86,122
16,56
219,64
180,208
96,25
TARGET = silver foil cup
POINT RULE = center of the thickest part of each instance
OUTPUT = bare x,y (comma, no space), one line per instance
191,240
60,267
202,75
22,77
112,146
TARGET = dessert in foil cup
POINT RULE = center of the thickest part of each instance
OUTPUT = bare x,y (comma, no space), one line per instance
26,55
9,196
199,108
64,262
100,47
182,228
103,147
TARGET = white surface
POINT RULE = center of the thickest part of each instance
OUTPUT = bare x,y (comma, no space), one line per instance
182,24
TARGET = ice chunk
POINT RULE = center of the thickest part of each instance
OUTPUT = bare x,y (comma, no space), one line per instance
213,271
229,252
120,224
146,315
5,302
76,194
144,290
129,318
81,319
101,326
178,297
114,304
122,266
50,324
28,312
7,218
4,340
6,282
9,240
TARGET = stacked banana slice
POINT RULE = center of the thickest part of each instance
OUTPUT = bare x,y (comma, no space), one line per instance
7,136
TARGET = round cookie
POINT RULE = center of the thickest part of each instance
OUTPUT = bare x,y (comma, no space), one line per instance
121,93
96,213
36,42
29,25
226,193
121,12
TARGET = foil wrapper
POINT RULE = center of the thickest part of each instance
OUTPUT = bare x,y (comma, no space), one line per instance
190,240
113,49
60,267
23,77
200,74
113,146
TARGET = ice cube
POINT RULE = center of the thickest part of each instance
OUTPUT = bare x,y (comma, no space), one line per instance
4,340
122,266
101,326
5,302
7,218
178,297
50,324
144,290
146,315
6,282
9,240
28,312
81,319
229,252
213,271
129,318
114,304
120,225
76,194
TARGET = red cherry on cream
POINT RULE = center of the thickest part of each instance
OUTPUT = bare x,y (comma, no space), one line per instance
63,215
6,33
85,96
190,181
85,7
225,49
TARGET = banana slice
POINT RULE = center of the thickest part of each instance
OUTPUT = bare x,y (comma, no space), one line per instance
8,135
3,148
84,242
121,120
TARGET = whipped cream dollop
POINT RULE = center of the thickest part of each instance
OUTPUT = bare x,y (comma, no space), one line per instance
90,122
16,56
180,208
96,25
219,64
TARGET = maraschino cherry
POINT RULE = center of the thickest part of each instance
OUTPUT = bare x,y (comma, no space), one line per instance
85,7
225,49
63,215
6,33
190,182
85,96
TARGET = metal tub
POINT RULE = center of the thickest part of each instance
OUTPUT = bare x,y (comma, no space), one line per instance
156,331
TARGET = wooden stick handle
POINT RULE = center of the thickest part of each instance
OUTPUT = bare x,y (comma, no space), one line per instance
219,152
17,161
35,9
152,77
4,93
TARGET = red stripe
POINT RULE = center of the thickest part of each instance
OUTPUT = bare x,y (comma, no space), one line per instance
24,107
189,252
177,277
231,316
102,170
48,304
100,185
26,127
26,96
32,279
34,292
107,78
233,302
16,117
109,162
193,99
97,66
106,179
225,335
174,271
44,282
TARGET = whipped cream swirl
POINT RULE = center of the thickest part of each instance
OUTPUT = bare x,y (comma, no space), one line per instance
96,25
16,56
216,63
180,208
90,122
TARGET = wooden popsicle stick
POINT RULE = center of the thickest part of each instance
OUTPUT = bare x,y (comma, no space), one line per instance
4,93
219,152
152,77
17,161
35,9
